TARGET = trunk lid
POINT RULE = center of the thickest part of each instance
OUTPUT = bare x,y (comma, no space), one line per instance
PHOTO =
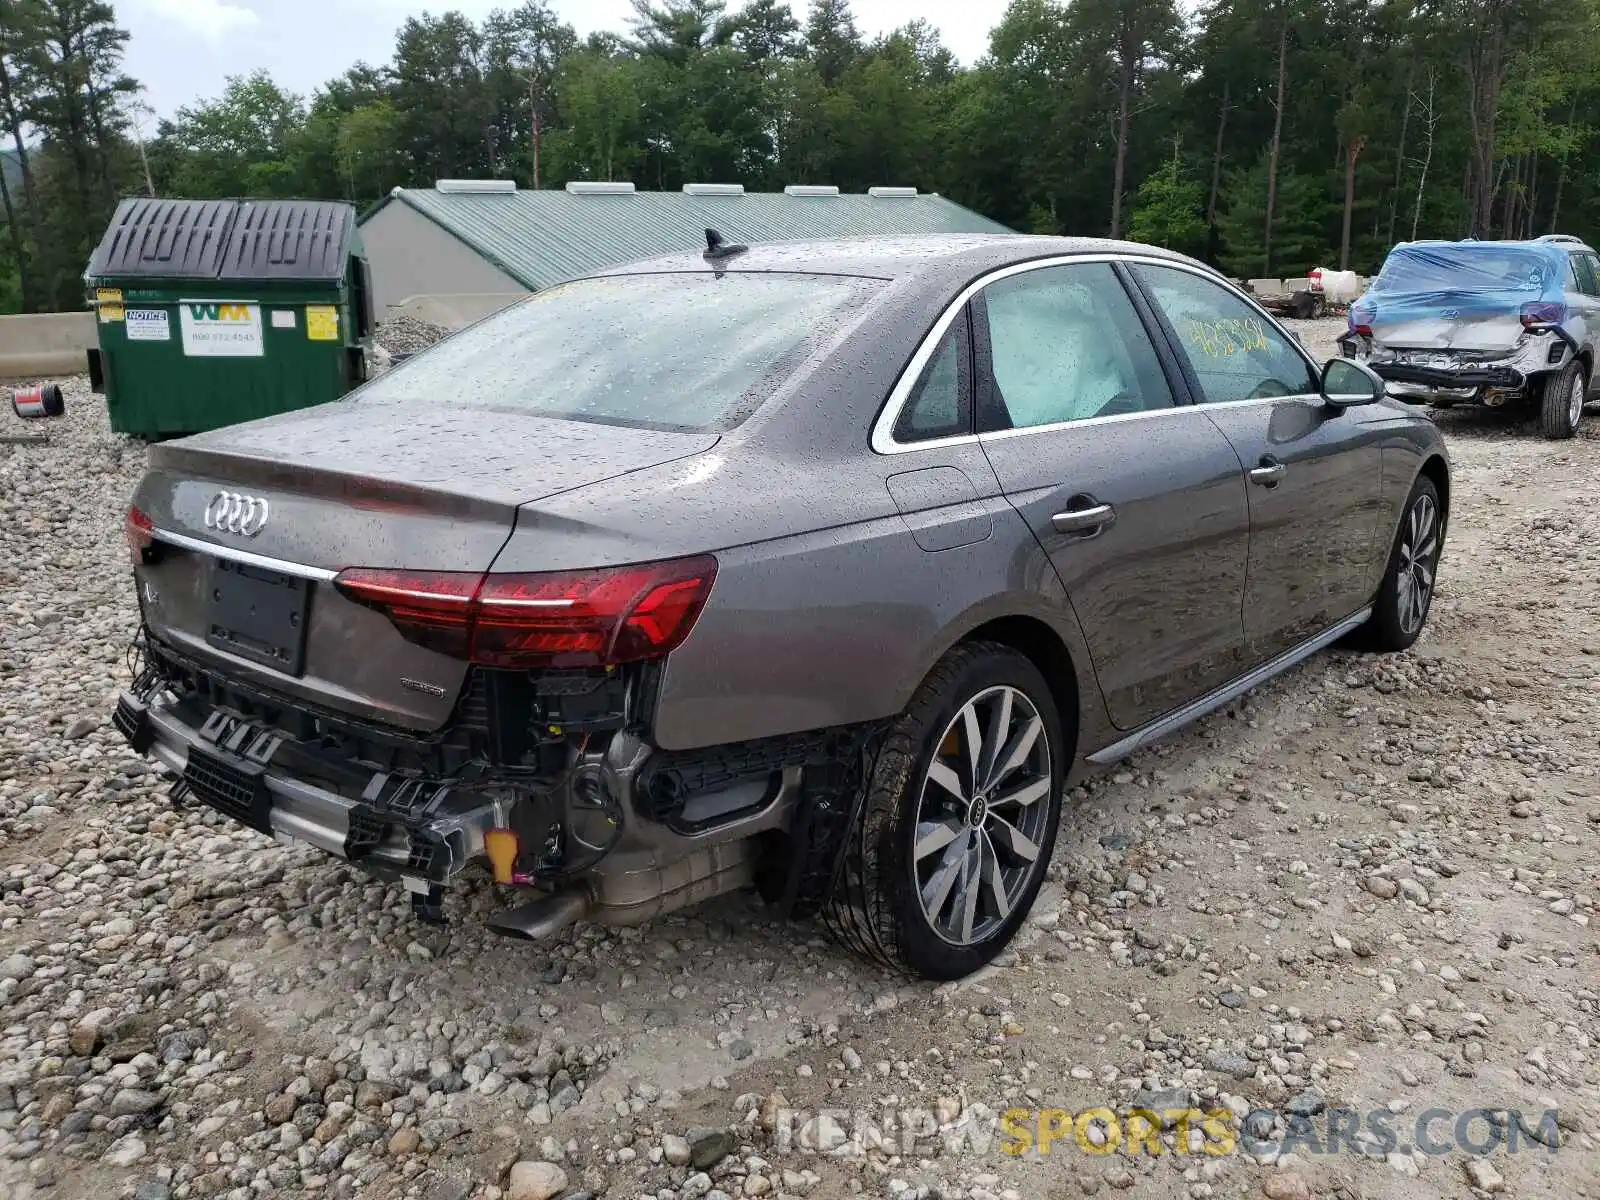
1472,327
397,485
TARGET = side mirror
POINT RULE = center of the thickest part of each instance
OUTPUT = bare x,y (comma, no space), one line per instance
1346,384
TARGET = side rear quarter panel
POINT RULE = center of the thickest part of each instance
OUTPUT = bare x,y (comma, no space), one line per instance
840,626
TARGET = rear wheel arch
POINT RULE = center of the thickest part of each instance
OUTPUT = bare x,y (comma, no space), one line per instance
1043,646
1436,470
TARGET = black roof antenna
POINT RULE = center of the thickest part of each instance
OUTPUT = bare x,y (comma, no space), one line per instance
717,246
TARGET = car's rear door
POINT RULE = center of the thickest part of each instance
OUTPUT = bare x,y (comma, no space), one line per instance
1314,471
1583,302
1137,499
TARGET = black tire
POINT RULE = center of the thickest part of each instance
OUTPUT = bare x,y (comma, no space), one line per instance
1561,400
1394,625
877,905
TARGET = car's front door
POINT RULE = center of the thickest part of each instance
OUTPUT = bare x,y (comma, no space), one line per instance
1314,471
1137,499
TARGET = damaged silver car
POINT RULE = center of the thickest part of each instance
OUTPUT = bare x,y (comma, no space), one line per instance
1491,323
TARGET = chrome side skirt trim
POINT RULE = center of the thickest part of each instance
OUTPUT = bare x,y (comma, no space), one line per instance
1196,709
282,566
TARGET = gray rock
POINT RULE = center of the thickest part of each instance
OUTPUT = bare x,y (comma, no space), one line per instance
1307,1104
125,1151
1380,886
1414,892
439,1185
152,1190
707,1146
675,1150
1230,1062
132,1102
76,1123
1161,1101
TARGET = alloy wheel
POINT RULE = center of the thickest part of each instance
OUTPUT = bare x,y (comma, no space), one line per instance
981,815
1419,552
1575,400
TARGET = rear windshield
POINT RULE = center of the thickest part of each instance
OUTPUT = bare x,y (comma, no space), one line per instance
1484,267
671,351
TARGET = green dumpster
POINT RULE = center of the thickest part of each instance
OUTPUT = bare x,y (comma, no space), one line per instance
212,312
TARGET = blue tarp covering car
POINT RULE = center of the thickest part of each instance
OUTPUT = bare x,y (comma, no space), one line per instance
1423,281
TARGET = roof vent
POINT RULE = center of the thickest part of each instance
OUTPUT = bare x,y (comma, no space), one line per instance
713,189
892,193
810,189
597,187
469,186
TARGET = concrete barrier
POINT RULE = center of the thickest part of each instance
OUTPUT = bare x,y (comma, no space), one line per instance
455,311
41,345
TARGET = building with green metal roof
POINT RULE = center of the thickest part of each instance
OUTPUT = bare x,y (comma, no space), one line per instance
486,238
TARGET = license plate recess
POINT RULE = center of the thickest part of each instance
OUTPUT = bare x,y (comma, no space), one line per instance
259,615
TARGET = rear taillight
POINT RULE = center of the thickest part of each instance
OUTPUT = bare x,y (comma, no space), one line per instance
431,608
140,531
598,618
1543,312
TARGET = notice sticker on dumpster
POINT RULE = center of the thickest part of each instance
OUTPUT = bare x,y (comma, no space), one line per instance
322,323
108,295
283,318
147,325
110,313
220,328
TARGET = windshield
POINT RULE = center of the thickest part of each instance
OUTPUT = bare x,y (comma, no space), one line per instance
672,351
1470,267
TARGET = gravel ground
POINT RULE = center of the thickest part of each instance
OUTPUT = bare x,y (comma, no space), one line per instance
1370,886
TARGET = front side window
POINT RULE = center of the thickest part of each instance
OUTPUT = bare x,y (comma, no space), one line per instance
677,351
1066,344
1233,351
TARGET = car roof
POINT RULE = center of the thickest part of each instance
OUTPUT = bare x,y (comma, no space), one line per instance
895,258
1564,239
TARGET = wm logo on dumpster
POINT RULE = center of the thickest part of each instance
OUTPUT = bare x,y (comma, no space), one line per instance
221,329
241,313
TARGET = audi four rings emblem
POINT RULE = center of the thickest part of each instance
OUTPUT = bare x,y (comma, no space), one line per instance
236,513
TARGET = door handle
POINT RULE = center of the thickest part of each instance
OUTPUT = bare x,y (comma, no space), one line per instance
1270,473
1084,520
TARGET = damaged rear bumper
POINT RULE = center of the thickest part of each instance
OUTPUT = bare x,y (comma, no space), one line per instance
681,828
1461,375
1452,379
396,830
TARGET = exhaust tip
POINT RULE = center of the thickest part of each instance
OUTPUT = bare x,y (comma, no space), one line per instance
543,917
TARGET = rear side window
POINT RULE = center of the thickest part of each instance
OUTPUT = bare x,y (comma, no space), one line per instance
681,351
1066,344
1584,266
1233,351
941,405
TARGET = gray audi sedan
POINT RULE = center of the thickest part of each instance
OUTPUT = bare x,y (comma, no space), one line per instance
822,568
